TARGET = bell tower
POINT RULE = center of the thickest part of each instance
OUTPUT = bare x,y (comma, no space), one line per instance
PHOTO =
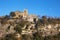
25,12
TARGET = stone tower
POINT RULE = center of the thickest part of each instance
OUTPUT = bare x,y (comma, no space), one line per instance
25,12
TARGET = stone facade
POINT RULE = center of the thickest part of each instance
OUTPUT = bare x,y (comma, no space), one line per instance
19,14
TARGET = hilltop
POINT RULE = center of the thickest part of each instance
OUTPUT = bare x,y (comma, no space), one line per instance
22,26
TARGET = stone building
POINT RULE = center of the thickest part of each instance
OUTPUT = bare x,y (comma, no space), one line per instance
19,14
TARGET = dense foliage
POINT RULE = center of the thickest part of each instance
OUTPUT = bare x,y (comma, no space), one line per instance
36,36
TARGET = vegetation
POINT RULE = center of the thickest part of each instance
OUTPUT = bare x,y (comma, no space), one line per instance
36,36
18,29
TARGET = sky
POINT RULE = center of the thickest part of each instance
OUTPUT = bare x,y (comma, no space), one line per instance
38,7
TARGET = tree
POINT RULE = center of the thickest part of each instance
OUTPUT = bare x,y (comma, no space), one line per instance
12,14
10,37
18,29
44,20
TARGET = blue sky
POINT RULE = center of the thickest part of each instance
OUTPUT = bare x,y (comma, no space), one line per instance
38,7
